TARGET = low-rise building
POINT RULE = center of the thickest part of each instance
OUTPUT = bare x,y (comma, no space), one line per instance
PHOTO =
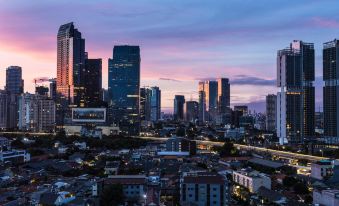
251,179
204,188
134,186
322,169
180,144
15,156
326,197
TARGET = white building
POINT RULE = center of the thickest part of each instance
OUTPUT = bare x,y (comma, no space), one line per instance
36,113
326,197
321,169
251,179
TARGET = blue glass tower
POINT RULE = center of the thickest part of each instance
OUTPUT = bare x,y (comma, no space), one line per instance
124,87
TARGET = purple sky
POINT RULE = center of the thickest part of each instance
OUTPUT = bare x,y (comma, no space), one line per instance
181,41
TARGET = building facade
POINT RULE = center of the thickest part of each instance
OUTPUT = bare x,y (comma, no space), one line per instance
92,82
124,87
271,112
331,90
252,180
14,81
179,101
204,189
70,63
36,113
192,111
295,101
155,103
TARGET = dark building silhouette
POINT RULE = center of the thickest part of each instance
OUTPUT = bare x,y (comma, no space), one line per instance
331,90
155,103
92,82
192,111
124,87
308,68
271,112
14,81
145,104
179,101
295,101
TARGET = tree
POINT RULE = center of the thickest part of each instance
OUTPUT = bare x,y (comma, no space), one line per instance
180,132
300,188
227,150
289,181
112,195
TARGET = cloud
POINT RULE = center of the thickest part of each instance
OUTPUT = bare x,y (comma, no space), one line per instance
250,80
169,79
325,23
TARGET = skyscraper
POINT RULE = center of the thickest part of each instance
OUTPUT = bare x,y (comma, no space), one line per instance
202,103
210,94
308,71
145,104
271,112
123,88
331,90
295,101
179,101
70,63
4,100
224,94
14,81
290,97
92,82
192,111
155,103
224,99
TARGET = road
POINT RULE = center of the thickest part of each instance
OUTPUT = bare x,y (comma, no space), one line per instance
285,154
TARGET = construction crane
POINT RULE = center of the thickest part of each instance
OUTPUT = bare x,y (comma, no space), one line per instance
42,80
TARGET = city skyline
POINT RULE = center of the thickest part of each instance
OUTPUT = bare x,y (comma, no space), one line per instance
179,45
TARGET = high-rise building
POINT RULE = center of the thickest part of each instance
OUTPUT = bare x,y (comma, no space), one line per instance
290,98
224,99
271,112
14,81
36,113
123,88
155,103
308,76
52,89
295,101
179,101
145,104
331,90
210,93
224,95
202,103
192,111
3,109
70,63
92,82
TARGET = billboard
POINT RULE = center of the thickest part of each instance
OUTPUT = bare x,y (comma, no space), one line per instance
89,114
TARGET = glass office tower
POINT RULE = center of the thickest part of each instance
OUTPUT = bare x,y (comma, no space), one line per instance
124,87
